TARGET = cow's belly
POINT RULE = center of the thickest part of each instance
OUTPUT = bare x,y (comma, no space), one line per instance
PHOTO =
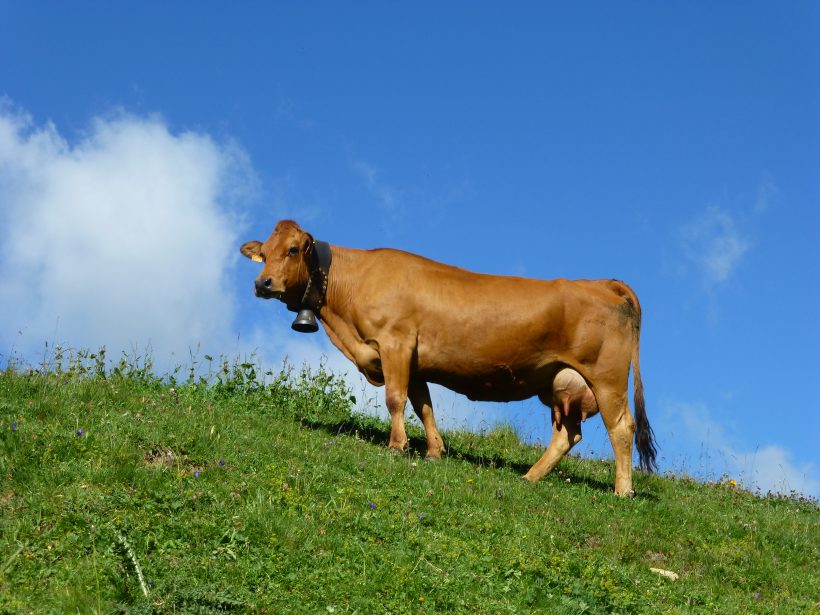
498,383
499,365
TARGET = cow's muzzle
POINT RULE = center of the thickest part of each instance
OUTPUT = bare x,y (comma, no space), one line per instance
264,289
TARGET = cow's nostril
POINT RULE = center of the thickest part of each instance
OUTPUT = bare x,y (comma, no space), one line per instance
262,287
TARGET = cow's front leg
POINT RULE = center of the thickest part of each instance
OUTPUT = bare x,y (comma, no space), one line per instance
565,435
420,398
396,369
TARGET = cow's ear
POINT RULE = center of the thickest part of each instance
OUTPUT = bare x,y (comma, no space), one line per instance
307,243
253,250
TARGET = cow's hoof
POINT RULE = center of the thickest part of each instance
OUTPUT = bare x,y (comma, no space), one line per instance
431,458
399,452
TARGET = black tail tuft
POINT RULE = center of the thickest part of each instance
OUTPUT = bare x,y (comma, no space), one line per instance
644,436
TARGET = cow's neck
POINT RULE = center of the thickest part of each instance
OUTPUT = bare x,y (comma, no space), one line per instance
336,303
336,314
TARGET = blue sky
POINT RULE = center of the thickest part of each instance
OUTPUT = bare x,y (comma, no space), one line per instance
674,146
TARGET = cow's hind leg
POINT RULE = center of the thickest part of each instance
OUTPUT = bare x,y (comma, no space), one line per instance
565,435
621,428
419,395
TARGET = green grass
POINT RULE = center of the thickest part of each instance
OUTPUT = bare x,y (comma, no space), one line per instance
246,497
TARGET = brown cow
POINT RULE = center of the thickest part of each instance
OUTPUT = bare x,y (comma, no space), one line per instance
404,321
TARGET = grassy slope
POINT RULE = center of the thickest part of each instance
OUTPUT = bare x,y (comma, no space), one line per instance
310,513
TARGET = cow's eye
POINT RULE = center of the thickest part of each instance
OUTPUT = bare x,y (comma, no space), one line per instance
293,251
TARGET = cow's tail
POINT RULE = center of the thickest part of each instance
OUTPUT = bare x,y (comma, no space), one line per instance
644,436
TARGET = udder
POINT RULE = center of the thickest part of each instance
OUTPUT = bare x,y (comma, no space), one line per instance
571,395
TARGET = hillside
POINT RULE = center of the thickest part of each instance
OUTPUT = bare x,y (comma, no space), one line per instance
233,495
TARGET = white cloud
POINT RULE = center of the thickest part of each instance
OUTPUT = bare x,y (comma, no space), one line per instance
121,239
385,195
773,469
769,467
767,194
714,244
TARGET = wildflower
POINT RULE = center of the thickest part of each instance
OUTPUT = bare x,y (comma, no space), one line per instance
222,462
421,516
196,474
757,596
80,432
372,505
14,426
732,483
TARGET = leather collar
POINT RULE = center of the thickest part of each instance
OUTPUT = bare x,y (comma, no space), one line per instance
318,260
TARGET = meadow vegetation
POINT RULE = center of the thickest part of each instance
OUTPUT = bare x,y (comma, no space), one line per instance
228,488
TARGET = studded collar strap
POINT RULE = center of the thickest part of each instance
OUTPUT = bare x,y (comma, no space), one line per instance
319,259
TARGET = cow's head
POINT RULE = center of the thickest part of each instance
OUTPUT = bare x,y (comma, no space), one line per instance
285,269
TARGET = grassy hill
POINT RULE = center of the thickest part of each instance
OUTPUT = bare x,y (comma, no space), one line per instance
121,492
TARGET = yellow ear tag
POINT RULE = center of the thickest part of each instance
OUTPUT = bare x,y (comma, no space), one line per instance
256,258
